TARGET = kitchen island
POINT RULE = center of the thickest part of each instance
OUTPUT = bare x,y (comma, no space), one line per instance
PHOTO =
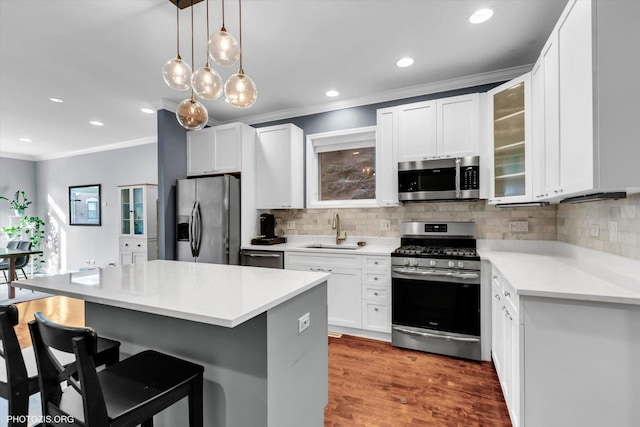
240,323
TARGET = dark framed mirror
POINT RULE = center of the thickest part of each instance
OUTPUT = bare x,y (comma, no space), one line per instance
84,205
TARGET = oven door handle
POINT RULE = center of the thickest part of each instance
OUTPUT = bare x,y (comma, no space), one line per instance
443,337
435,273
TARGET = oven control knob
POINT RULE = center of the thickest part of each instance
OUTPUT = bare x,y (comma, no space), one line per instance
451,264
460,264
433,263
405,261
414,262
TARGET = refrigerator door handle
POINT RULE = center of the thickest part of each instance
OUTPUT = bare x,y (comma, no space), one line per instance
192,225
198,236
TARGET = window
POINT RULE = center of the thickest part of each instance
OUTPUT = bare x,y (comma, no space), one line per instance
341,168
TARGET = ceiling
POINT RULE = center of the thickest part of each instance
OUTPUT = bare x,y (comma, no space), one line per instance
104,59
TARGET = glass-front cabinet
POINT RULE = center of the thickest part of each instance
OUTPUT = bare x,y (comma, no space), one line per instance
510,112
132,211
138,223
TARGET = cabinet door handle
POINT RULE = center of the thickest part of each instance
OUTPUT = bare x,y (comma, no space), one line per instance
375,278
507,293
327,270
375,293
375,309
139,245
126,244
375,262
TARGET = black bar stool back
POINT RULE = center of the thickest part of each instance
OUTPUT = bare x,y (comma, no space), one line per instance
127,393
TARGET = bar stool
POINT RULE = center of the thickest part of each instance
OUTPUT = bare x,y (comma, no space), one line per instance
127,393
18,372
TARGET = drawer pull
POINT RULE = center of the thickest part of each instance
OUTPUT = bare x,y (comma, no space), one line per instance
375,293
375,278
327,270
375,309
375,262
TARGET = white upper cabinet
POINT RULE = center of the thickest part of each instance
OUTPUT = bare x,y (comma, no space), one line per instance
279,167
387,156
458,131
215,150
509,107
590,114
446,127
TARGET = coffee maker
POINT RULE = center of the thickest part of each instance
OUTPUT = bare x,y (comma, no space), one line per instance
268,225
268,231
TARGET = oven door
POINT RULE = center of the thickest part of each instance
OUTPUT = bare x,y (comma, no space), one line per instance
438,315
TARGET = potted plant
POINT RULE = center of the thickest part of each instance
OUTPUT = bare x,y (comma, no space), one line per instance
19,202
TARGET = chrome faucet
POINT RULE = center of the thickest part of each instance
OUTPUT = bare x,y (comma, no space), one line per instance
340,237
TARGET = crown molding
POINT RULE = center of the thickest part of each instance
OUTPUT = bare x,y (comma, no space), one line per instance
17,156
115,146
392,95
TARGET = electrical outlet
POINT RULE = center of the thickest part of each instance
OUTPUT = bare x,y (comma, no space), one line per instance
304,322
291,225
385,224
519,226
613,231
595,230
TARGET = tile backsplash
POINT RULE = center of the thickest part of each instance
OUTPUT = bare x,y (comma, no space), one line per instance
592,225
491,222
587,224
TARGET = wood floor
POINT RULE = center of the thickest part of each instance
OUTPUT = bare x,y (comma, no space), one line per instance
371,383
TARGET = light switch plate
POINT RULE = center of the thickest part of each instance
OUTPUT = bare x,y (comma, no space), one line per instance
595,230
291,225
385,224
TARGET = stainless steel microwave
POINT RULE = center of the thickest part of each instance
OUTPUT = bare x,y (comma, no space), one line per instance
440,179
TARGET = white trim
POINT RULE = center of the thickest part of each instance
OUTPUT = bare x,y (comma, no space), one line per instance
17,156
335,141
391,95
115,146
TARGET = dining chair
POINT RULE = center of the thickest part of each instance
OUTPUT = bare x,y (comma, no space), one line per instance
4,262
128,393
18,371
22,261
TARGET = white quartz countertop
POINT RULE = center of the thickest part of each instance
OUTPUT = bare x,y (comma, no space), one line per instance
374,245
559,270
223,295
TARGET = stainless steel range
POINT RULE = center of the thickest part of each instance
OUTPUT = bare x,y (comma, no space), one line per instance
435,283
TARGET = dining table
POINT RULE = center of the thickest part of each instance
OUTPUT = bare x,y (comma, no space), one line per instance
12,255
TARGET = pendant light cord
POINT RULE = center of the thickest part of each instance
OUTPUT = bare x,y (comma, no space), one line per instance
223,28
192,95
178,32
240,71
207,50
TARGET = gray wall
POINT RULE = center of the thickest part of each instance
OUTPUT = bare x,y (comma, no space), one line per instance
70,247
172,165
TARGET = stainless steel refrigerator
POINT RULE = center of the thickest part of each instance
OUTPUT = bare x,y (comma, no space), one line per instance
208,220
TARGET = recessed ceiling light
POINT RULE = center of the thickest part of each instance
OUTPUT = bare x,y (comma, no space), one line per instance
25,139
56,100
480,16
404,62
96,123
332,93
148,110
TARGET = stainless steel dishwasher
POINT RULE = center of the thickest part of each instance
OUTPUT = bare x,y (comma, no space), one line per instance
256,258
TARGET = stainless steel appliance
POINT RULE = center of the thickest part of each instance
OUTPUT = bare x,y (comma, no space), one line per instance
208,223
435,289
440,179
267,259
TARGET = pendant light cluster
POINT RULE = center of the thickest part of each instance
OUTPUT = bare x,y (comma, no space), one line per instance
205,83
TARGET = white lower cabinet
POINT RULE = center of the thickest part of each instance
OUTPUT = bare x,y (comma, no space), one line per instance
505,338
134,250
359,289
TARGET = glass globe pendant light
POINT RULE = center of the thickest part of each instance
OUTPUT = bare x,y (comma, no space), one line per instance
191,114
224,49
176,72
206,81
240,90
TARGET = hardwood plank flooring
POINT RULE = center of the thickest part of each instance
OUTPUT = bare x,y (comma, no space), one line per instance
371,383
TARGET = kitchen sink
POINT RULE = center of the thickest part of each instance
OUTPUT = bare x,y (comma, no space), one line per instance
329,246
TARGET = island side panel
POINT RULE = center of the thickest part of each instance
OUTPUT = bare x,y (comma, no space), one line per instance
298,362
235,360
581,363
